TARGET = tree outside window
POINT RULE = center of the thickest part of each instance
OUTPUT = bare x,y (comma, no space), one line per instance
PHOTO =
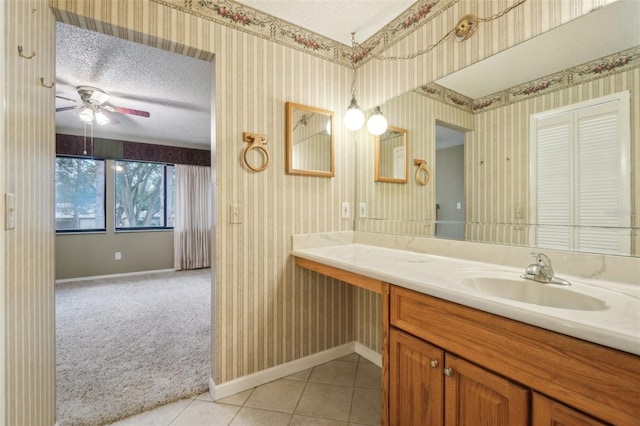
143,195
80,189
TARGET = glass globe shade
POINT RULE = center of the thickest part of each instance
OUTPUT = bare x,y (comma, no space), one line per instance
354,117
377,124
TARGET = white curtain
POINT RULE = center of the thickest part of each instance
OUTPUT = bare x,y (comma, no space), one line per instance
192,223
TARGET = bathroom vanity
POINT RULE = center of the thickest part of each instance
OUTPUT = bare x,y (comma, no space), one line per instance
454,355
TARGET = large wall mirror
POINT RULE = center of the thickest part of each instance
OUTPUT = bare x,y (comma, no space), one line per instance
309,139
390,156
573,65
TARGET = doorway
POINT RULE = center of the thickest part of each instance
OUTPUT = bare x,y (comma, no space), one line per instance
122,72
450,199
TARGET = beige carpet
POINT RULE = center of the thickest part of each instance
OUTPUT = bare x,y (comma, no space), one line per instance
125,345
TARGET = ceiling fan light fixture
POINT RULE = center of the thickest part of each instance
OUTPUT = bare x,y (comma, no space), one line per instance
86,114
101,118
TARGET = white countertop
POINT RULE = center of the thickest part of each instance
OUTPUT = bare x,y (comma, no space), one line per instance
617,326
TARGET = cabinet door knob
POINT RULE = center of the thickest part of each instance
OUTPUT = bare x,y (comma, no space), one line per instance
434,363
448,372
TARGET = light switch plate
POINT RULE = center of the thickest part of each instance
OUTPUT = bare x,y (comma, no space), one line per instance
362,209
346,211
10,211
234,214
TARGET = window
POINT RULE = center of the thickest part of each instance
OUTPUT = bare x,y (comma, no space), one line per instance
80,189
143,195
581,176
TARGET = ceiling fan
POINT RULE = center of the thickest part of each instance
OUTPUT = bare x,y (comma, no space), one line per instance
92,105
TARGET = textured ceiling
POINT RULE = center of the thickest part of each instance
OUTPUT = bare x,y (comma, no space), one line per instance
174,89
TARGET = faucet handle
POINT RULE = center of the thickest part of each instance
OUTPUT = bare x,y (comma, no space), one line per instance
544,262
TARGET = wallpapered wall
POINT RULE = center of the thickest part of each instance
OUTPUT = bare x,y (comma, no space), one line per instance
267,311
27,171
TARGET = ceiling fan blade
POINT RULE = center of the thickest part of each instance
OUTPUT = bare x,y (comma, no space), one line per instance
68,99
67,108
131,111
112,119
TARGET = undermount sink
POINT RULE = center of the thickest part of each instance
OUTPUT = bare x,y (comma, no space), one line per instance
532,292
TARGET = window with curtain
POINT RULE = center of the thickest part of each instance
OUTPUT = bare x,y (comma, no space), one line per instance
192,228
144,195
581,194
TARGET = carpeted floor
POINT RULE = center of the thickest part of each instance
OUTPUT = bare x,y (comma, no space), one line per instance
125,345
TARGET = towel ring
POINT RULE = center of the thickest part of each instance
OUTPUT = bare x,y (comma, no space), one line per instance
422,174
257,142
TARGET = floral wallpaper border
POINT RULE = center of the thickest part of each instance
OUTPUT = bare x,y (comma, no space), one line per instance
74,145
618,62
249,20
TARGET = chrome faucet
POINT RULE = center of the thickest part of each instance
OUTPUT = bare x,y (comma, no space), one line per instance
541,271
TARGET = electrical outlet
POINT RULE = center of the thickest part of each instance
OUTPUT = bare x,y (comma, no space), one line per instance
345,210
458,206
362,210
118,255
234,213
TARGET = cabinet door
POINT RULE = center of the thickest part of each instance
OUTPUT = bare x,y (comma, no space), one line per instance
548,412
415,381
477,397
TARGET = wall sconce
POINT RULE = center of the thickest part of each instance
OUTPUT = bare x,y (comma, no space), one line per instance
377,124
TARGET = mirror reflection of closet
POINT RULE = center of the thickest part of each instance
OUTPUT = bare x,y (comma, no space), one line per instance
390,156
450,217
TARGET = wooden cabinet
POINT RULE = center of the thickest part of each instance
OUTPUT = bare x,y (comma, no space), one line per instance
547,412
416,386
502,371
477,397
431,387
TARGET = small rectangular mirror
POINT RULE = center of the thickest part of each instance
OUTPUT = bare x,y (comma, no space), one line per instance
309,138
390,156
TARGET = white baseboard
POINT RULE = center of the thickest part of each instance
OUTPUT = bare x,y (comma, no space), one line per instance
369,354
125,274
279,371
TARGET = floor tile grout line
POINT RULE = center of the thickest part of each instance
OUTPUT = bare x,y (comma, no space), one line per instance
353,391
181,411
306,382
243,405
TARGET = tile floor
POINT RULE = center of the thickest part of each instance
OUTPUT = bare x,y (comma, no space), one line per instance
341,392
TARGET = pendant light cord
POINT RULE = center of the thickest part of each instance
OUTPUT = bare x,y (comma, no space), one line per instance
354,45
433,46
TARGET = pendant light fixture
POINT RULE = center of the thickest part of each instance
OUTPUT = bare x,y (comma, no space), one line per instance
377,124
354,117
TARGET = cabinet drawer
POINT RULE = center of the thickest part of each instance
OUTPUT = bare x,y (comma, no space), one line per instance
597,380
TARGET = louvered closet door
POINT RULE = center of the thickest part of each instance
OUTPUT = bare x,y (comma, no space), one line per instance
554,173
601,188
582,179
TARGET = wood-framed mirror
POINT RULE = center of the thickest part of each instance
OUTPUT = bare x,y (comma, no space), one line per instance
309,141
390,156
